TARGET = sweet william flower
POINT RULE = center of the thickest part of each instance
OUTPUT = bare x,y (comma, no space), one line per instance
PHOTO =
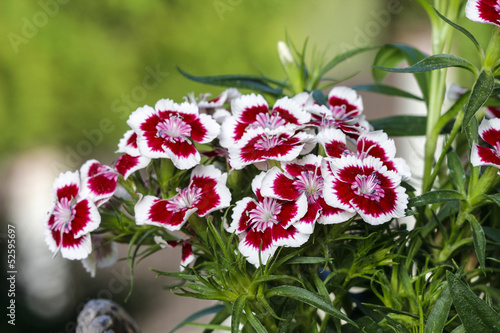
206,193
252,112
344,111
98,181
264,224
187,255
73,217
104,254
167,130
483,11
303,177
489,131
262,144
366,187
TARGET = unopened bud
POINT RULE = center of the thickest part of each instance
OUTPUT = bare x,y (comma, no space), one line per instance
285,54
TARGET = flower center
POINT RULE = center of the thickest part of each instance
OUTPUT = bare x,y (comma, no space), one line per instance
64,212
185,198
368,187
265,214
173,128
311,183
270,121
267,142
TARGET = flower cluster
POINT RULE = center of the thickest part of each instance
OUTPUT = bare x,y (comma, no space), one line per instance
298,186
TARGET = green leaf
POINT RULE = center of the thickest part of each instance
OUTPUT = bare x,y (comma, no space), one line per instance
471,131
475,314
337,60
401,125
495,198
439,313
252,82
237,312
319,97
479,240
256,324
457,172
492,233
462,30
386,90
199,314
305,296
459,329
435,197
433,62
308,260
287,314
480,93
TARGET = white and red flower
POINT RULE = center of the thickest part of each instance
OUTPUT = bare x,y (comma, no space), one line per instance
127,164
489,131
187,255
303,177
252,112
366,187
483,11
98,181
167,130
206,193
128,144
262,144
104,254
264,224
344,111
73,217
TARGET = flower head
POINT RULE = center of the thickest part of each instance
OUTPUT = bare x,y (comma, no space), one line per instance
266,223
303,177
206,193
366,187
489,130
98,181
72,218
167,130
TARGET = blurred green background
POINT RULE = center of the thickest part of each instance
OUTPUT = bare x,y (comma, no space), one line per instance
72,71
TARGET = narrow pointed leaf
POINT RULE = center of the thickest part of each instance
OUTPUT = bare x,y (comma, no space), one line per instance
457,172
495,198
435,197
492,233
433,62
479,240
256,324
480,93
439,314
342,57
462,30
310,298
475,314
386,90
199,314
237,313
401,125
253,82
287,314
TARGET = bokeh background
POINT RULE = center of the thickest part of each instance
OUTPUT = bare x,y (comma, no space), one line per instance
72,71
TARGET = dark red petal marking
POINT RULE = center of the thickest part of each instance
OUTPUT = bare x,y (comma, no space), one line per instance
375,208
284,188
286,115
488,155
243,223
491,136
256,238
239,130
494,111
82,216
295,170
125,163
278,233
488,12
102,185
68,239
180,148
187,250
68,191
198,130
132,140
289,211
249,114
158,213
94,169
335,101
335,149
209,197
